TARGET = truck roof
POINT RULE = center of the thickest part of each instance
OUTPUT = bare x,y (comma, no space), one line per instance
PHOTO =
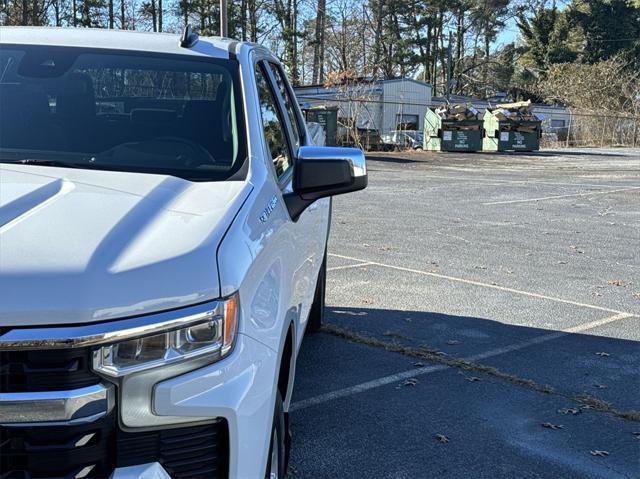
126,40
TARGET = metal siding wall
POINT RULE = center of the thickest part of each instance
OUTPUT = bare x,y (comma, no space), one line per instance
406,98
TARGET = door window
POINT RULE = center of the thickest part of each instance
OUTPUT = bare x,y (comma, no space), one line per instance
289,104
273,127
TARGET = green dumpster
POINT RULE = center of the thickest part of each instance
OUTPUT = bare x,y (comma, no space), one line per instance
328,118
452,128
512,127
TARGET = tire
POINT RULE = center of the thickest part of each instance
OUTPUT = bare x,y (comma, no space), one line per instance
316,315
276,463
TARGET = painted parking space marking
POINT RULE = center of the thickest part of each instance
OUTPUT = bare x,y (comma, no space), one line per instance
576,195
349,266
505,181
484,285
396,378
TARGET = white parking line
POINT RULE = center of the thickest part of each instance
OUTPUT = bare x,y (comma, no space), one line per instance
576,195
475,179
484,285
395,378
348,266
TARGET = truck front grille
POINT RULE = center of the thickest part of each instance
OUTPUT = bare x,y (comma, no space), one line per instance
70,451
92,451
46,370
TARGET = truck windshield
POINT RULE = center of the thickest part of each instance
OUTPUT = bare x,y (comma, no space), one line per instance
126,111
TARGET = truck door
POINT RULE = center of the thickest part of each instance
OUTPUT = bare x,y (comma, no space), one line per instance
284,133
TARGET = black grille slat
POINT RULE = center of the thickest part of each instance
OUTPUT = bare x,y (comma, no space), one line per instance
186,452
51,451
46,370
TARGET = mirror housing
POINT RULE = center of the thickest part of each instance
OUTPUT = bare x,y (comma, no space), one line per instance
323,171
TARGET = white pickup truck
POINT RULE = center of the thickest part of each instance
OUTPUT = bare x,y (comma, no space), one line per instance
163,235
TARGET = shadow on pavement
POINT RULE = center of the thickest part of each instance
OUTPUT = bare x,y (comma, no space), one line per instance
494,425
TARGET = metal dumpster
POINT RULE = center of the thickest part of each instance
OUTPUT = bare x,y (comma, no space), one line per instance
328,118
452,128
512,127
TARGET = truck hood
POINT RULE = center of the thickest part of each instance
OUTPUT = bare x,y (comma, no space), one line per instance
79,246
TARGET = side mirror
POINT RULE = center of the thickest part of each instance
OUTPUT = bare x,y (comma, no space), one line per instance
322,171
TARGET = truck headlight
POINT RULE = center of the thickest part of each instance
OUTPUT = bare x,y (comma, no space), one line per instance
138,363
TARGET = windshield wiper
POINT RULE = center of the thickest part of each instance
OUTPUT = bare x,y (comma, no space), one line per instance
45,162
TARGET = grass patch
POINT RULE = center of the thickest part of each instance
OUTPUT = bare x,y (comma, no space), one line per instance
605,406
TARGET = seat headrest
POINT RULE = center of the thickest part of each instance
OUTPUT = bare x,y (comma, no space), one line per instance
76,97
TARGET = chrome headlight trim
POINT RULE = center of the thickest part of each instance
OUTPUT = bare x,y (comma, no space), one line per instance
63,337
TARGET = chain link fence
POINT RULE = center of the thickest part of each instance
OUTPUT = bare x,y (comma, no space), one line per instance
594,130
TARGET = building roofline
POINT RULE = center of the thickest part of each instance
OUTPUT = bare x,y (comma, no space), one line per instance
371,82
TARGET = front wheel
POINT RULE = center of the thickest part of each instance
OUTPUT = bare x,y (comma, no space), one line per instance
276,465
316,315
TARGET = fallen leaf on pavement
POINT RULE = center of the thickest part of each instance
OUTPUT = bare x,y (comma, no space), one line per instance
616,282
548,425
570,410
442,438
603,354
599,453
410,382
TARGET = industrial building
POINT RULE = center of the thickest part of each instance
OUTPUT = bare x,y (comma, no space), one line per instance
368,105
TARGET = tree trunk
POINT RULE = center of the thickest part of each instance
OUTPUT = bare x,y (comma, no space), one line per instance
74,12
159,15
243,20
25,12
253,20
111,14
56,9
377,46
459,48
318,45
485,67
123,20
34,13
154,16
295,70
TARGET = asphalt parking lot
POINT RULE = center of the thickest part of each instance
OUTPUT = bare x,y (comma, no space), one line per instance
483,321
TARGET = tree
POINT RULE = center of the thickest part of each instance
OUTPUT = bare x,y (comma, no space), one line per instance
489,17
608,27
605,85
544,35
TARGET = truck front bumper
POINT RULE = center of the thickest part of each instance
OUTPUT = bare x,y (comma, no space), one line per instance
236,393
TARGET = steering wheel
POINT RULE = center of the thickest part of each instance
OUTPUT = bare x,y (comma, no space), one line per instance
189,162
